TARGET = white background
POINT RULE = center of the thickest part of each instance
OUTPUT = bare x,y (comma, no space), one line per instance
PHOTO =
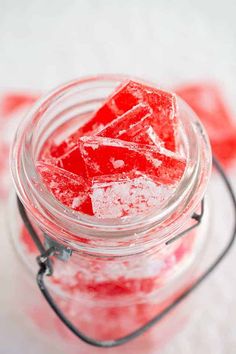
44,43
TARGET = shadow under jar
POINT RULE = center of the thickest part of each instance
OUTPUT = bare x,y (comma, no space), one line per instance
110,276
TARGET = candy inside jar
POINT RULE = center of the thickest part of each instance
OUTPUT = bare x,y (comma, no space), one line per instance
125,160
109,170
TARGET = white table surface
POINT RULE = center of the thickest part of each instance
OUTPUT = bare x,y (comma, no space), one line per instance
44,43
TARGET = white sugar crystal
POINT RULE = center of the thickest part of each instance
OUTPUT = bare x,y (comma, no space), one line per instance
154,137
95,146
127,197
117,163
95,166
77,201
53,184
113,106
154,161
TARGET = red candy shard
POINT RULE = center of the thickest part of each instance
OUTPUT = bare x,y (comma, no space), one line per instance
69,159
131,97
117,104
128,95
104,156
126,195
207,101
134,125
70,189
142,133
162,103
127,122
73,161
128,166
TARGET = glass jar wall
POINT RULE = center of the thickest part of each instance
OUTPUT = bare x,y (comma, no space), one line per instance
110,277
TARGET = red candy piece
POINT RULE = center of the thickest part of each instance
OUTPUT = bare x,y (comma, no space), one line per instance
135,126
135,131
163,121
63,156
73,162
70,189
143,133
125,126
105,156
117,104
206,100
132,93
127,194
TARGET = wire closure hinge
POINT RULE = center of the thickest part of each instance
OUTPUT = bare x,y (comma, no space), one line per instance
197,217
44,261
60,251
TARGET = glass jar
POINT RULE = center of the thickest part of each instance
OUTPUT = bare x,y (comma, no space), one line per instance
110,276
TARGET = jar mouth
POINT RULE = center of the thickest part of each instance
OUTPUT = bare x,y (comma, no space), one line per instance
47,210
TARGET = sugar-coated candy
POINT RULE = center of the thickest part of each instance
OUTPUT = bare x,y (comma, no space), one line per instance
132,93
104,156
126,195
70,189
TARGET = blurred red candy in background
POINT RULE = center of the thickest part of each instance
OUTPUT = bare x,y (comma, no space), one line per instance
207,101
13,108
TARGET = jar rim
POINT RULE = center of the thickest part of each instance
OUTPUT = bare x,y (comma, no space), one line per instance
22,162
